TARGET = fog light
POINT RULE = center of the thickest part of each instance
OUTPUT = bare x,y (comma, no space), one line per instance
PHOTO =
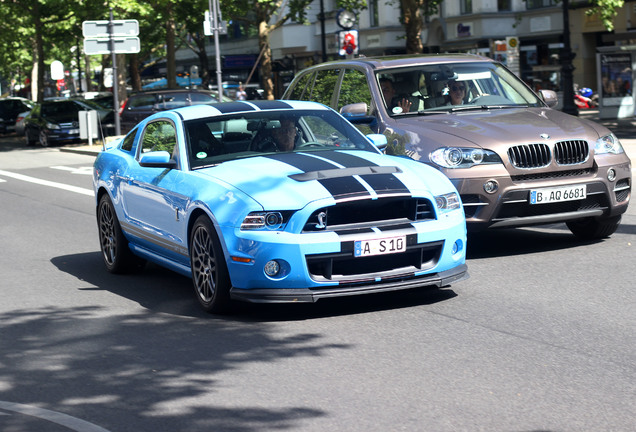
457,246
611,174
272,268
491,186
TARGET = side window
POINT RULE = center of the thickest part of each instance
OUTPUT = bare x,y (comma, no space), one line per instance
302,89
324,86
354,89
141,102
159,136
127,144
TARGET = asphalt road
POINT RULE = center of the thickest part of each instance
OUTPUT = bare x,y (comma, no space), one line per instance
540,338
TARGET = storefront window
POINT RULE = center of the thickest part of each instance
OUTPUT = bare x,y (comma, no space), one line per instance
616,77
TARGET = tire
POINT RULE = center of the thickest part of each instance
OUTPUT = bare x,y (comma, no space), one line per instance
117,256
593,228
43,138
210,276
27,138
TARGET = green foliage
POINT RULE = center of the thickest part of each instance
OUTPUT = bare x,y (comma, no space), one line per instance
606,11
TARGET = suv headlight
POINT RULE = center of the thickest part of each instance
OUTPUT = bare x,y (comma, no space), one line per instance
458,157
608,144
447,202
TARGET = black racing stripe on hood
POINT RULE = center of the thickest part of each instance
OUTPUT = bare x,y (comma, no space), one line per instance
385,183
303,162
338,187
346,159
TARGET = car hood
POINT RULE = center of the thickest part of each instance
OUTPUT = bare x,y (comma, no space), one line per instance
286,181
498,128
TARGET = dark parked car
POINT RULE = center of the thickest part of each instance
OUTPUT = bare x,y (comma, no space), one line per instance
10,108
138,106
58,120
514,160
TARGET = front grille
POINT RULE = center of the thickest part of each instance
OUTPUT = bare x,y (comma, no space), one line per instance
552,175
380,211
345,267
571,152
529,155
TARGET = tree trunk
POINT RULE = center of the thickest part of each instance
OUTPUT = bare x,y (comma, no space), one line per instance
413,24
171,72
266,60
135,76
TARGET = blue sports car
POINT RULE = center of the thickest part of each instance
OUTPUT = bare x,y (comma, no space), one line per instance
275,201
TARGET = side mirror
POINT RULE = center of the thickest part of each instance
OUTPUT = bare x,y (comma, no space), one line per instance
157,159
356,113
378,140
549,97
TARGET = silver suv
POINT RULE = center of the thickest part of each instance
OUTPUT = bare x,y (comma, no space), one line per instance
514,159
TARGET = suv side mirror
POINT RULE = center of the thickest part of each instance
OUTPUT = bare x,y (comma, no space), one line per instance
356,113
549,97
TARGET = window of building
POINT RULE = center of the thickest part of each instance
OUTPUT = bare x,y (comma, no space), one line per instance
537,4
503,5
374,19
466,6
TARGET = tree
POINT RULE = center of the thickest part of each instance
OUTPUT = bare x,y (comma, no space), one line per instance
269,15
413,13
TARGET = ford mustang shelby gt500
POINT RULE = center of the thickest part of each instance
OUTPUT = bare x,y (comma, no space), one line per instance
272,201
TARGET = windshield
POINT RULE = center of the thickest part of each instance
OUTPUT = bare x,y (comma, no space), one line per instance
218,139
448,87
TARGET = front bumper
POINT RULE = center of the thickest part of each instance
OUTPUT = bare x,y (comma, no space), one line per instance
307,295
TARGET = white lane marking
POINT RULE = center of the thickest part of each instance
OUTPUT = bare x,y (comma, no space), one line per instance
70,188
72,423
76,170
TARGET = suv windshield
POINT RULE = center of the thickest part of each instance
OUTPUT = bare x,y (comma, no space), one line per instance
444,87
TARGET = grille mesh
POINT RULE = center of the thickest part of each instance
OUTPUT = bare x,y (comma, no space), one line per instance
571,152
529,155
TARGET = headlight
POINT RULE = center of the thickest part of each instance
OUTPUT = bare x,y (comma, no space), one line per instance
263,220
447,202
52,125
458,157
608,144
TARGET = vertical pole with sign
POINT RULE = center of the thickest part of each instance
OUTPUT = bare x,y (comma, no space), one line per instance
115,77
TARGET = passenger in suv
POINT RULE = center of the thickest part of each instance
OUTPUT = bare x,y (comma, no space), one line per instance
514,160
138,106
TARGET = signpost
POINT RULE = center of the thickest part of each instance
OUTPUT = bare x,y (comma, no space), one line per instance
111,37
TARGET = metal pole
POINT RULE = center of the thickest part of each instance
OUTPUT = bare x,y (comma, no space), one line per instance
115,78
567,69
214,15
322,31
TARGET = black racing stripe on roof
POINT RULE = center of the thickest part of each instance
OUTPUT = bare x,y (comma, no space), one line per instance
385,183
271,104
231,107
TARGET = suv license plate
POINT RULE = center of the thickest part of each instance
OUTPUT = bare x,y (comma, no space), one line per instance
557,194
363,248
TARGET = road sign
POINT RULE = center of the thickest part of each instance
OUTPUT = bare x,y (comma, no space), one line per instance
123,45
97,29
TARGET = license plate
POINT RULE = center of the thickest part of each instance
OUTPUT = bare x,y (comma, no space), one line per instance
382,246
557,194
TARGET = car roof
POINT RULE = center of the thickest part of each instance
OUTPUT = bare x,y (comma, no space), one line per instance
216,109
169,91
398,61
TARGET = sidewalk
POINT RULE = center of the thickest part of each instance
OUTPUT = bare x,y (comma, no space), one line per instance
625,130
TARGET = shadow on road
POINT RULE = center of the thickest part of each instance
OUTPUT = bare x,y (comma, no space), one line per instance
161,290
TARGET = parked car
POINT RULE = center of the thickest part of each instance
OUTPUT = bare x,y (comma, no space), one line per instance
55,121
208,192
138,106
515,161
19,123
10,108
